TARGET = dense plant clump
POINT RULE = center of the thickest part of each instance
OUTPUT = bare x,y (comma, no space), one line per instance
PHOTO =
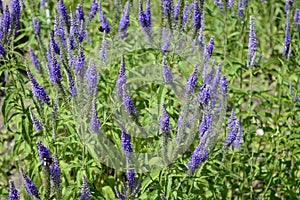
150,99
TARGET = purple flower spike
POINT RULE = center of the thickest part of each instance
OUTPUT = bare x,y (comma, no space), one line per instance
72,87
241,8
297,19
209,48
6,20
287,5
30,187
148,12
93,10
44,153
104,23
103,55
13,192
119,195
73,31
177,10
287,40
204,95
252,45
224,85
166,40
121,78
42,3
136,189
235,136
37,89
71,57
230,138
35,60
82,34
92,78
1,36
37,124
36,26
85,191
163,197
16,13
186,13
200,155
79,13
216,79
128,103
126,142
206,123
230,4
197,15
131,178
210,75
54,45
2,50
220,5
124,22
190,85
55,173
232,121
164,121
145,16
79,68
60,31
167,7
54,70
95,123
201,37
167,73
239,138
62,9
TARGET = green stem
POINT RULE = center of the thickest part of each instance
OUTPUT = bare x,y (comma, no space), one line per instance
47,192
225,35
251,92
83,147
165,149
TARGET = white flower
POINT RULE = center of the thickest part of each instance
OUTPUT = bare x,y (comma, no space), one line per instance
260,132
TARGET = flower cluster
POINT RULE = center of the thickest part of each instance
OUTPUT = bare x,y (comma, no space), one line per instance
85,191
93,10
121,81
35,60
13,192
167,73
197,15
30,187
125,21
252,45
297,19
287,40
95,123
133,185
203,108
199,156
145,17
37,124
37,89
36,26
104,23
165,125
235,136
